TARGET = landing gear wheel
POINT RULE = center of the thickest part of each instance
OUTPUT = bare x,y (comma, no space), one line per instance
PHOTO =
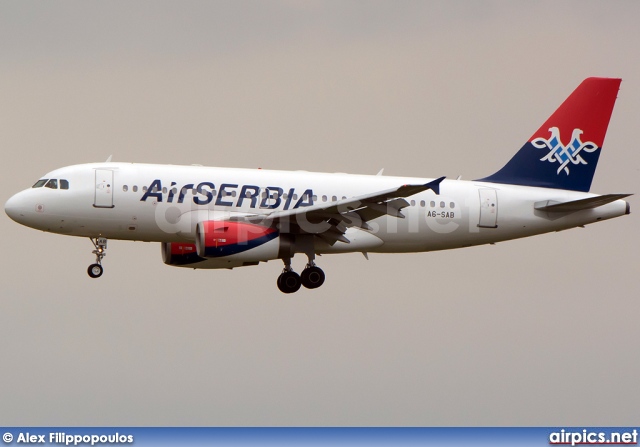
289,282
100,244
312,277
95,270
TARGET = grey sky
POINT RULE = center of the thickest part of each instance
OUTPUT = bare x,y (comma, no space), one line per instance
541,331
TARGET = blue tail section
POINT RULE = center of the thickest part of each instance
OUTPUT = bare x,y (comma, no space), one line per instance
564,152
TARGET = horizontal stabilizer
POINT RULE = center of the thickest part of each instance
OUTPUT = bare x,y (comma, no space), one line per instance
578,205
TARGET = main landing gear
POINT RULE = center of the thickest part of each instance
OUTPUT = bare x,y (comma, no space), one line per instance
289,281
96,270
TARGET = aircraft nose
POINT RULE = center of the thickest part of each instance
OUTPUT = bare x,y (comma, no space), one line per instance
13,208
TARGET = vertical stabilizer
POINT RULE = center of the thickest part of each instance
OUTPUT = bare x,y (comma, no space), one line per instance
564,152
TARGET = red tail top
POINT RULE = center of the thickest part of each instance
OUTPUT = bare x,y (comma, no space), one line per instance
588,108
564,151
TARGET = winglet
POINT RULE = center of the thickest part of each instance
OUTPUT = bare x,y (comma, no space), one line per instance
435,185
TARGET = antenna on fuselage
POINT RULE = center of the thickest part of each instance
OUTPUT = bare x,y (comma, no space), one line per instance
109,159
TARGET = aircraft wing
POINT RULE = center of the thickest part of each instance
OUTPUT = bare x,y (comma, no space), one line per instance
330,220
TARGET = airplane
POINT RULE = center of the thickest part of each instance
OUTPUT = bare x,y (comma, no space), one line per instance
212,218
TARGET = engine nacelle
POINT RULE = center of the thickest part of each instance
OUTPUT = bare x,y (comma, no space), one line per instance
179,253
224,244
221,238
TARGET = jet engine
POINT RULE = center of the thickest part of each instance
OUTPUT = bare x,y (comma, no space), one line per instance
226,244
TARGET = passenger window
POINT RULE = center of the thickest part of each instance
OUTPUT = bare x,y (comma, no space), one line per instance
125,188
452,205
413,203
144,189
441,204
432,204
324,198
164,190
53,184
334,199
40,183
422,203
64,184
135,188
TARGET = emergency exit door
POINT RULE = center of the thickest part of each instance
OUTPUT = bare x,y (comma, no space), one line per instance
104,189
488,208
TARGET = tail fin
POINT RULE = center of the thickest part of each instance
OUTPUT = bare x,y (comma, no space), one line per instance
564,152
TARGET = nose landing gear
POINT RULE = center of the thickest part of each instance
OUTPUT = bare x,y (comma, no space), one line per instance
100,244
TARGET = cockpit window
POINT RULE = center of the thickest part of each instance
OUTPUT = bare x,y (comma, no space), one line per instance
40,183
64,184
52,183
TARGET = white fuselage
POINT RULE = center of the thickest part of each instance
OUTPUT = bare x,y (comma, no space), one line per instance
163,203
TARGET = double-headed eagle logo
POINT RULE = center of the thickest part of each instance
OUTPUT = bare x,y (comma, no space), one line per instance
564,154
